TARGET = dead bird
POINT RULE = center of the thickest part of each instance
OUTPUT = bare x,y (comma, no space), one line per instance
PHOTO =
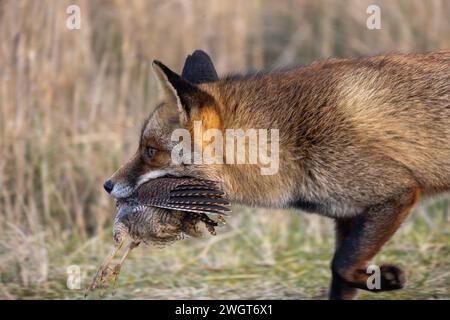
161,212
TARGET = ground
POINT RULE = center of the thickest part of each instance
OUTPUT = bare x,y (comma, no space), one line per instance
259,254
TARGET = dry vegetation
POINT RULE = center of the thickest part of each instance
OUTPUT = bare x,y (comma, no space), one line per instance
71,106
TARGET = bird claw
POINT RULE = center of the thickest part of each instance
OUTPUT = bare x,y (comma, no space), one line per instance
221,219
115,275
106,273
101,277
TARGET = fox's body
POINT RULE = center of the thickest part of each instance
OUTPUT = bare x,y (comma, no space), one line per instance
360,141
352,132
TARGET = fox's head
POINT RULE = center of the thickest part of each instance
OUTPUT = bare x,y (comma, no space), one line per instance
184,102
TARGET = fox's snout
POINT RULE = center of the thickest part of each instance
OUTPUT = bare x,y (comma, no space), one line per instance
130,176
124,181
120,189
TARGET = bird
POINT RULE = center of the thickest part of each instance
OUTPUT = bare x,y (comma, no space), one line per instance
160,212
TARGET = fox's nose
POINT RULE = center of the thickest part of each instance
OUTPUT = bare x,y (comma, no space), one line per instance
108,185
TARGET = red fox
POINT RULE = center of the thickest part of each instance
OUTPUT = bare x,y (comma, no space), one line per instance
360,141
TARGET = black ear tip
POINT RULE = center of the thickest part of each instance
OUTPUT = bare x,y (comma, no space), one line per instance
199,57
157,63
200,53
162,66
166,70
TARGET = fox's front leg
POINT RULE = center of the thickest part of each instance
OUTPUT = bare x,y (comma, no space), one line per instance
369,233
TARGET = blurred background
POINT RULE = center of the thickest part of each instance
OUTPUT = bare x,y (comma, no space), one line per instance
71,106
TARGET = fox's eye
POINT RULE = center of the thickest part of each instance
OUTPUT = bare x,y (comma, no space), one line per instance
150,152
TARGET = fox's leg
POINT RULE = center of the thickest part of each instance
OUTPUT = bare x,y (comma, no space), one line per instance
371,231
339,288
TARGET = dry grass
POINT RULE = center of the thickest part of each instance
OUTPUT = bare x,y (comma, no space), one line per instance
71,104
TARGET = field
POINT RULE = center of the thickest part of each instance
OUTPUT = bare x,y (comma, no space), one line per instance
266,261
71,106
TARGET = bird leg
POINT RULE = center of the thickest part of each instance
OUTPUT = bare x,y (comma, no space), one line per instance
102,271
116,269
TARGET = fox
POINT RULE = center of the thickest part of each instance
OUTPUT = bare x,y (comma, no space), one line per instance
362,141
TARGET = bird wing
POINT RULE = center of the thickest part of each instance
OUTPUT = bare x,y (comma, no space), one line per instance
191,195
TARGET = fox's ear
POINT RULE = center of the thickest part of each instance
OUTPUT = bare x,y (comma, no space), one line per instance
184,95
199,68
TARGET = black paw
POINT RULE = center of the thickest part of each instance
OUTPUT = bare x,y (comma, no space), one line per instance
392,277
385,278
